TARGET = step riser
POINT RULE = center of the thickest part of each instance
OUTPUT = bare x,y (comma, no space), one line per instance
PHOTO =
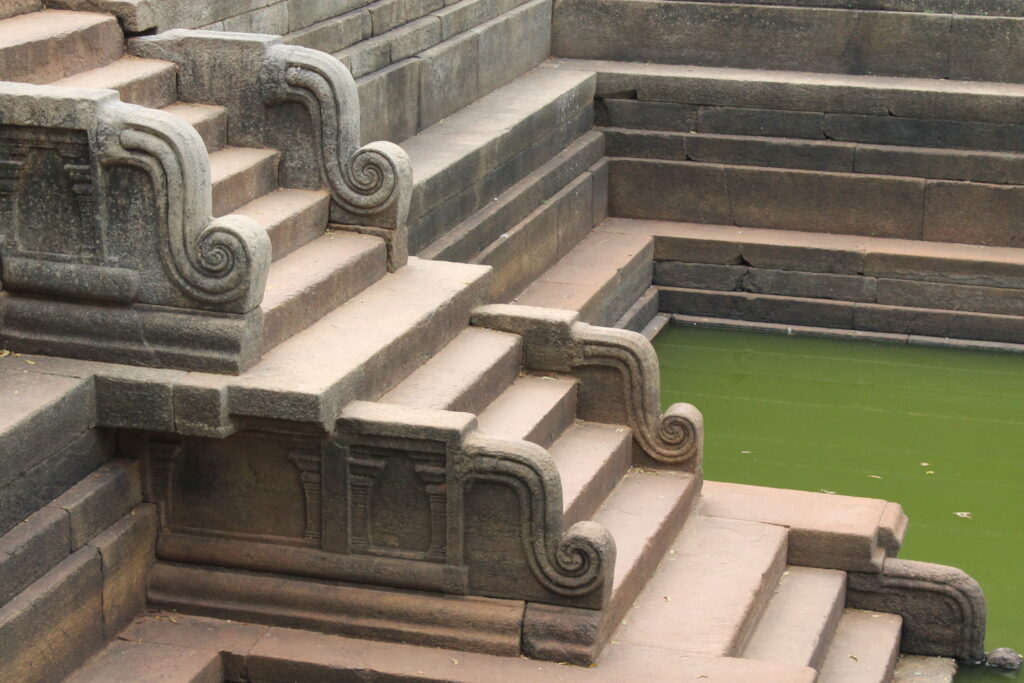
843,203
465,242
242,187
482,189
539,240
841,315
335,284
581,499
840,157
535,409
52,55
919,45
145,82
864,649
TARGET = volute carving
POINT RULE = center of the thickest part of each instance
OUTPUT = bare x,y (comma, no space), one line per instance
557,341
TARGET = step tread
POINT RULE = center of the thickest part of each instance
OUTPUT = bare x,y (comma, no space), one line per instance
802,78
86,40
317,278
122,74
123,660
291,217
639,510
830,531
359,349
966,258
864,648
709,590
532,408
591,458
452,378
799,620
589,277
241,174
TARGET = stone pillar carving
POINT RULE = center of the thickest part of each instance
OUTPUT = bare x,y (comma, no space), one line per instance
556,341
162,460
105,217
310,476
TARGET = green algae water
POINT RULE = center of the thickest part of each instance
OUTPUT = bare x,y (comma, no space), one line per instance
940,431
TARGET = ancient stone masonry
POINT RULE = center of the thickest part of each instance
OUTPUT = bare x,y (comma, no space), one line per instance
397,496
303,103
620,379
109,251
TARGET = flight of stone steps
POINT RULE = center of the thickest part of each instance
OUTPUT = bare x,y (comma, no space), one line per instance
515,180
848,165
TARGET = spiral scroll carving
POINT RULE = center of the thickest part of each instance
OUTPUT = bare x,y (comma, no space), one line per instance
575,563
675,437
365,181
220,263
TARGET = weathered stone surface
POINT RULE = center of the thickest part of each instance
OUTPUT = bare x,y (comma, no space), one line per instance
778,153
951,213
55,624
810,285
698,275
649,145
149,663
939,323
950,297
946,164
146,82
895,130
765,122
100,499
918,669
864,648
333,33
634,185
389,102
449,78
31,549
762,307
986,49
592,458
39,47
797,39
126,551
798,622
388,14
942,608
513,43
664,116
1003,658
535,409
827,531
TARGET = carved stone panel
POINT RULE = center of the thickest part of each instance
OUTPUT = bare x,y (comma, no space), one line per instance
47,198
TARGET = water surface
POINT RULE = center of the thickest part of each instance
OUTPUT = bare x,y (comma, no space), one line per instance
941,431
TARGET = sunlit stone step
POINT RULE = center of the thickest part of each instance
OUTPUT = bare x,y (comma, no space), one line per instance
240,175
591,458
146,82
864,648
209,120
40,47
293,218
533,408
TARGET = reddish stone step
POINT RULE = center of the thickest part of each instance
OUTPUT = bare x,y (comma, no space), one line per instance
145,82
209,120
591,459
864,648
293,218
240,175
40,47
533,408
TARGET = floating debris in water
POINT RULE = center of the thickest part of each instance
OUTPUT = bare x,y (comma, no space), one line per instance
964,515
925,464
874,476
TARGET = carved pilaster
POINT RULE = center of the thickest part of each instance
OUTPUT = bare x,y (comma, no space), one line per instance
362,475
312,488
162,462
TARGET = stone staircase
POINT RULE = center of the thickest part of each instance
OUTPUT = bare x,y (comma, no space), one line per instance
510,182
790,150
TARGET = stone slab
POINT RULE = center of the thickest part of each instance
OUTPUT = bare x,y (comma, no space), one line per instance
56,623
638,114
100,499
810,285
699,275
864,649
710,589
760,307
997,300
825,530
126,551
31,549
951,213
919,669
591,459
449,78
151,663
514,43
533,408
761,122
39,47
939,323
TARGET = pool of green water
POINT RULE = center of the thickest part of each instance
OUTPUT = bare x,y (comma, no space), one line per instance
940,431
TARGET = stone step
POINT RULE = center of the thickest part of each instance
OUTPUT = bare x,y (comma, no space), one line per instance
762,36
46,437
600,278
123,660
920,669
13,8
145,82
267,653
643,315
470,237
999,167
65,524
40,47
817,201
591,459
293,218
548,233
357,351
675,92
209,120
799,620
466,375
532,408
708,593
466,160
68,613
988,8
241,174
864,648
315,279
